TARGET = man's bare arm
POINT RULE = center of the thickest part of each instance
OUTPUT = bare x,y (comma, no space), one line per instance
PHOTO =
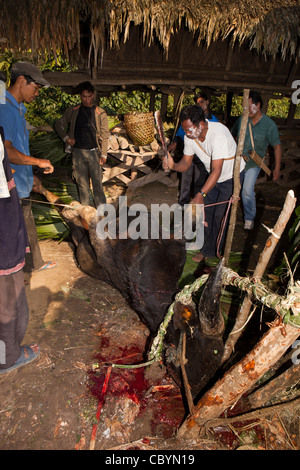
18,158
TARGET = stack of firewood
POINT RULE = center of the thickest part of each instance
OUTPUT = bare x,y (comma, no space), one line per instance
119,140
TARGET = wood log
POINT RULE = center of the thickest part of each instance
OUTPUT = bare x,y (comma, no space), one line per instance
154,146
272,390
264,258
118,129
240,378
113,143
123,142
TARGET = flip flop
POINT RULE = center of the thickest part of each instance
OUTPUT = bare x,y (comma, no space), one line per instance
48,265
23,360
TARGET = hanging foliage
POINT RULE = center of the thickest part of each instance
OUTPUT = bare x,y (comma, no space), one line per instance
32,25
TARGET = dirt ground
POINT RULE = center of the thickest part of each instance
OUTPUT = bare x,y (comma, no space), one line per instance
58,402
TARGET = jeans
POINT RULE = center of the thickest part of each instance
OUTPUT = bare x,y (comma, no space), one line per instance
86,166
248,193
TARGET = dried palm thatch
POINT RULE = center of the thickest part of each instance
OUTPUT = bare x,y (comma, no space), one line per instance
270,27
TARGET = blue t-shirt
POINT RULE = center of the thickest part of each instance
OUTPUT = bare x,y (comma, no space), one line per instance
12,119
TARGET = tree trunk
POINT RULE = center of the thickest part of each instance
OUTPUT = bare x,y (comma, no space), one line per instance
236,177
240,378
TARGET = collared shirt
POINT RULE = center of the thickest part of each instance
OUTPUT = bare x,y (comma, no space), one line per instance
265,132
12,119
13,235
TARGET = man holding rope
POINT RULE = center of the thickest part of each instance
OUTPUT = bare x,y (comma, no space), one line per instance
25,83
214,145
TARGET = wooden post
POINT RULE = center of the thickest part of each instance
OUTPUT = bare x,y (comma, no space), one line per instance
164,105
228,107
152,101
236,177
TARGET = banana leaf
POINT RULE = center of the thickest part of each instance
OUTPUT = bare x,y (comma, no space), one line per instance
51,147
48,223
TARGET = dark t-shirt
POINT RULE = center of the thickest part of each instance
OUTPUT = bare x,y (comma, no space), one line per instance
85,135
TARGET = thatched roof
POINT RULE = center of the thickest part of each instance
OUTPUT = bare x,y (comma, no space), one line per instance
270,27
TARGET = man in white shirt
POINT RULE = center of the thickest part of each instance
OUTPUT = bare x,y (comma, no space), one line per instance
214,145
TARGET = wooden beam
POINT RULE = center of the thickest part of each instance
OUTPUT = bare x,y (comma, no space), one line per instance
237,81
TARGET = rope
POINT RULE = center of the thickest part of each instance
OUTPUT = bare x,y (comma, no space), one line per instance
52,203
271,231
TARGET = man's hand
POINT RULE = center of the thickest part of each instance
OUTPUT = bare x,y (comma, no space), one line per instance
172,147
102,160
198,199
45,165
70,141
168,163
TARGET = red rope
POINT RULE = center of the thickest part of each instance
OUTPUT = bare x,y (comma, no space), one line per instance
99,409
224,220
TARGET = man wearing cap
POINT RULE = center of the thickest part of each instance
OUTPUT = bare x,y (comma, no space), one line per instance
26,80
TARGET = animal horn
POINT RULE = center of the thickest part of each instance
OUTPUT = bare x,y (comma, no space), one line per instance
211,320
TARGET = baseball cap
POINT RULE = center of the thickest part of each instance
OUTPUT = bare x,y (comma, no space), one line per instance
30,70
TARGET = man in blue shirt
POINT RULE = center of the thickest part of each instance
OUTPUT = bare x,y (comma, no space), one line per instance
26,80
264,133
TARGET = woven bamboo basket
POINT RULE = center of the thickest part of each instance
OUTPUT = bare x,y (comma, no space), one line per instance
139,127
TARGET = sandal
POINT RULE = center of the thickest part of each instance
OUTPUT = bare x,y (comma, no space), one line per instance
47,265
27,355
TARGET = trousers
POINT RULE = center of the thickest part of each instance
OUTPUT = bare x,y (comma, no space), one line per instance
86,167
214,215
34,259
192,179
14,317
248,193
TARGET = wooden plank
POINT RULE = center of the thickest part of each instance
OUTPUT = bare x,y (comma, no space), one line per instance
127,161
151,177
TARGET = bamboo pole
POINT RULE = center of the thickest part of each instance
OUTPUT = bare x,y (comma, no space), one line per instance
288,208
236,177
240,378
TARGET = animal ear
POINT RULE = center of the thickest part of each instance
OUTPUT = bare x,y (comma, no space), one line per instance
184,315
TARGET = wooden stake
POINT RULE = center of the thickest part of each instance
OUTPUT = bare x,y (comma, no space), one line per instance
236,177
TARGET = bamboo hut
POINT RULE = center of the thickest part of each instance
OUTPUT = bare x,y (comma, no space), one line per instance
165,47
